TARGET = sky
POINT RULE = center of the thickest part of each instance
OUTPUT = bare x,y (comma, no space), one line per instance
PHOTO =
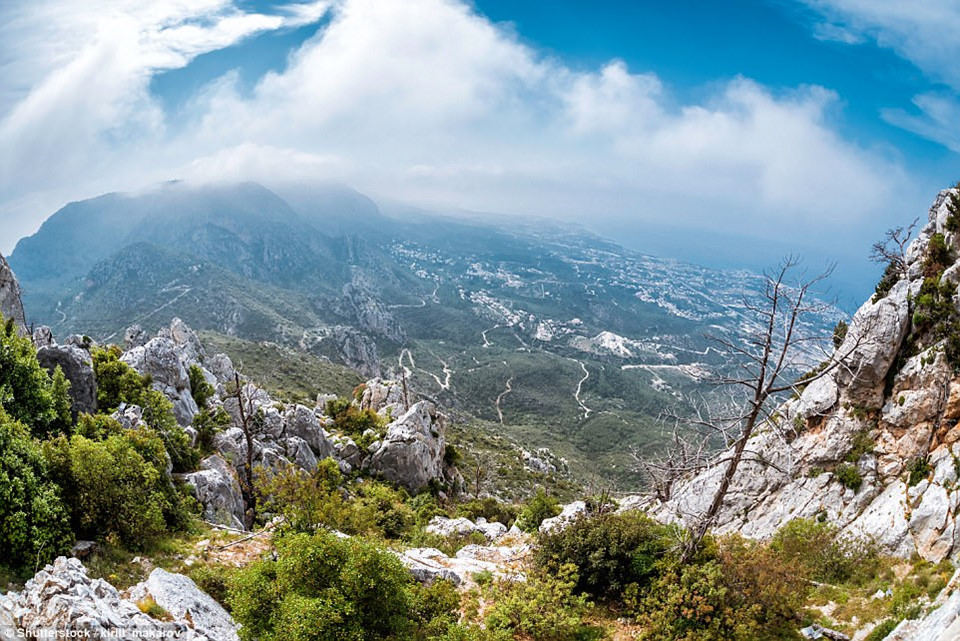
725,133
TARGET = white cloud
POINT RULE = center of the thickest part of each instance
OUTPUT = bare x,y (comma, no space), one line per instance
923,32
427,101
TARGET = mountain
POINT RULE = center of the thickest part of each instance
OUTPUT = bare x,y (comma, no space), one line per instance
536,331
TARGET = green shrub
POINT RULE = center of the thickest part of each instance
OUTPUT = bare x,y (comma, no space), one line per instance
891,274
213,579
541,506
200,389
839,333
324,587
490,509
34,527
861,446
883,630
27,392
208,423
353,421
746,593
849,476
918,469
823,555
118,488
310,501
544,607
610,551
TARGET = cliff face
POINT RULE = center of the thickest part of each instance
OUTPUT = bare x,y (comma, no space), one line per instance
10,305
873,447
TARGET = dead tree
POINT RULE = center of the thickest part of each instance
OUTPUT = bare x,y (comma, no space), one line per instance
769,357
892,250
248,424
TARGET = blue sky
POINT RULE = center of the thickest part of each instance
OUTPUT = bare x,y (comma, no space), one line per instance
722,132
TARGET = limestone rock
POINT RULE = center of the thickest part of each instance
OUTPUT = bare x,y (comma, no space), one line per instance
77,366
160,359
379,395
412,451
462,526
183,600
10,305
63,598
301,422
217,489
567,515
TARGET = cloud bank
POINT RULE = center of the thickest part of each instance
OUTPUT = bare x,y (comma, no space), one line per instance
421,100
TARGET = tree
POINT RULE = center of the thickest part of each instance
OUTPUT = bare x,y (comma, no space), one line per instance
892,252
769,357
247,413
27,392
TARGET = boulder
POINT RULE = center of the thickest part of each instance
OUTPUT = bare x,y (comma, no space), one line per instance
411,453
301,422
77,366
183,600
463,526
62,598
216,487
568,514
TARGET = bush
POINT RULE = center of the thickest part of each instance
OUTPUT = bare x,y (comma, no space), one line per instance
310,501
849,476
118,488
200,389
746,593
891,274
823,555
27,392
490,509
34,527
610,551
118,383
208,423
883,630
839,333
324,587
919,468
542,607
353,421
541,506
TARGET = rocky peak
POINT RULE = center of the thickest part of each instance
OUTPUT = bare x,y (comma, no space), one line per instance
872,447
10,305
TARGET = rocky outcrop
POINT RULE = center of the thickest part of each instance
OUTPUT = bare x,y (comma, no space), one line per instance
442,526
427,565
77,366
62,600
567,515
891,413
412,452
10,305
216,487
184,601
347,344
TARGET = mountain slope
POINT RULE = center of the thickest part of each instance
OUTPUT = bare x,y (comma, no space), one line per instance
547,334
874,446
